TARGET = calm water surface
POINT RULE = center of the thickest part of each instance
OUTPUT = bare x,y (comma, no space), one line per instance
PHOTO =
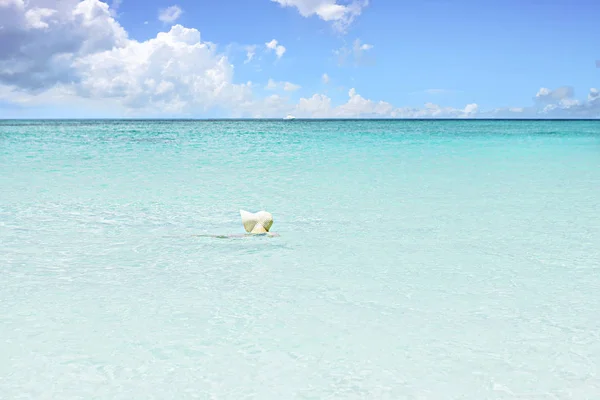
417,260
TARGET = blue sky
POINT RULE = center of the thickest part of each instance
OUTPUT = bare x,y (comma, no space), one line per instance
311,58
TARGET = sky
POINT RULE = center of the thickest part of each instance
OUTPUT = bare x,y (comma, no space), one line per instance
308,58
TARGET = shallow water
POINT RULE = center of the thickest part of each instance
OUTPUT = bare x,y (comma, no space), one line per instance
416,260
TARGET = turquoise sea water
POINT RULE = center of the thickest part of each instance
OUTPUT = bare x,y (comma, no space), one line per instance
417,260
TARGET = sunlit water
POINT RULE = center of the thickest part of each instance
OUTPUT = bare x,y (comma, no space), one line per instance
416,260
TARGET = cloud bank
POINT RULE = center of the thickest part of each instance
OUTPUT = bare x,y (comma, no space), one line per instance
74,52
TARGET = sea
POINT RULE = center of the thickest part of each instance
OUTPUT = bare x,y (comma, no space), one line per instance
415,259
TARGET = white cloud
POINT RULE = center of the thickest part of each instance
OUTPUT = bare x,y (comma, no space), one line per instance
319,106
76,50
569,102
73,54
271,85
558,103
543,92
341,15
35,17
356,52
358,47
170,14
175,70
12,3
276,47
548,96
325,79
114,7
358,106
286,86
41,38
471,109
290,87
250,53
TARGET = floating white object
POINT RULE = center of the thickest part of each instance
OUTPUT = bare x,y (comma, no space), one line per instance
289,117
259,222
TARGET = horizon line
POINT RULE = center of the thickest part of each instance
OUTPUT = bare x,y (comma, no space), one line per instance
297,119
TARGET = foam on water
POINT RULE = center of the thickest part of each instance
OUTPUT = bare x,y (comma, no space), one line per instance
416,260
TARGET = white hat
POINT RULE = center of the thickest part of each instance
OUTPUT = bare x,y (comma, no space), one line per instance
259,222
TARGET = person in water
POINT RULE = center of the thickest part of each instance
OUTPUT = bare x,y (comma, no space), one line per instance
259,222
255,224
